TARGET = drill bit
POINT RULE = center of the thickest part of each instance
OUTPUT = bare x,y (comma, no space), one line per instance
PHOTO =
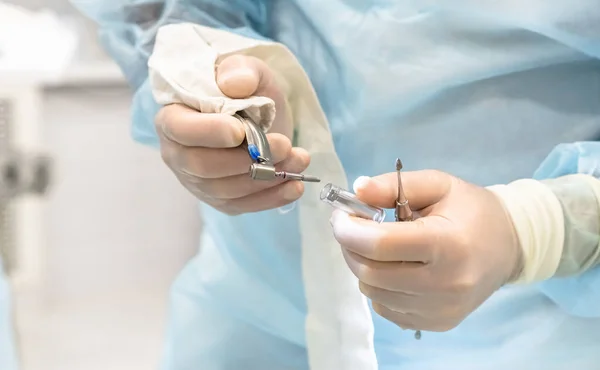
296,176
403,211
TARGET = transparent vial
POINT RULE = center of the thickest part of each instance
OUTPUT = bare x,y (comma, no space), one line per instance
347,202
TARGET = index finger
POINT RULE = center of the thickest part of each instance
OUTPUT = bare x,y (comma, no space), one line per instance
422,188
387,242
191,128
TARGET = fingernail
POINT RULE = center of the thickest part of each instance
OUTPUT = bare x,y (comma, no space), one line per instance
333,217
236,73
237,134
336,215
361,183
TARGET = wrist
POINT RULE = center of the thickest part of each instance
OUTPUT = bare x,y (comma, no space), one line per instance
516,264
537,218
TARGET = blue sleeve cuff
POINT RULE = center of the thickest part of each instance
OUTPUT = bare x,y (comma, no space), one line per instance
577,295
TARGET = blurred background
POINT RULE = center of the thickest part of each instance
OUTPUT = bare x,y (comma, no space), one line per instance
93,227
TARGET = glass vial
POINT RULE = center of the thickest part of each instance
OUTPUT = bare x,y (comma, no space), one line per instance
347,202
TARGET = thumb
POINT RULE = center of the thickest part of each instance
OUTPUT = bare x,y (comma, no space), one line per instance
422,188
240,76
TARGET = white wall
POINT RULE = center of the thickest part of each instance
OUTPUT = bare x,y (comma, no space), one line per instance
118,227
117,218
89,50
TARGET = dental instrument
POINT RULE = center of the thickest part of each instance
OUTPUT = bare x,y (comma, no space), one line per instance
259,150
349,203
403,213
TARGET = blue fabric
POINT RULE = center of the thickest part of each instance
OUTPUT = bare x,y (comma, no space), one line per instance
483,90
578,295
8,359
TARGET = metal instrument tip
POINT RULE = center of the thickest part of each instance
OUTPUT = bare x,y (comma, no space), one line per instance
311,179
398,164
296,176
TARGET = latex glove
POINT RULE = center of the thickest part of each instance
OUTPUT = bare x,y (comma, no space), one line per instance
203,149
431,273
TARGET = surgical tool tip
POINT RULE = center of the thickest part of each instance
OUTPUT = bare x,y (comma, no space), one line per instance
311,179
296,176
398,164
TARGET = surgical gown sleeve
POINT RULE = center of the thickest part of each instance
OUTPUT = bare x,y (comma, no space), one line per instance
128,28
556,217
577,294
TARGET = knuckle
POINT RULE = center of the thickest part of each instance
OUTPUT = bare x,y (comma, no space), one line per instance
161,117
195,181
291,192
436,175
307,161
166,155
221,204
444,326
281,146
404,325
196,192
338,235
227,207
462,240
199,168
402,321
169,153
465,284
366,290
303,160
231,212
367,273
380,309
454,314
377,253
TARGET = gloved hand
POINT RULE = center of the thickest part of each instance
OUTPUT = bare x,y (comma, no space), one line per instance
431,273
202,149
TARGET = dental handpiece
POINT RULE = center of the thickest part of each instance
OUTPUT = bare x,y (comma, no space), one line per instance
259,150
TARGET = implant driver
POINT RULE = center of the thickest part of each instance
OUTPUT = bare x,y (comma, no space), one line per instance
403,212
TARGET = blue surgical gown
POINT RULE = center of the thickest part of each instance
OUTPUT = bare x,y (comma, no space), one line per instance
481,89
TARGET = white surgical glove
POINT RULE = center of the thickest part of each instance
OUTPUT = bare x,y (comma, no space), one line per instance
431,273
557,223
202,149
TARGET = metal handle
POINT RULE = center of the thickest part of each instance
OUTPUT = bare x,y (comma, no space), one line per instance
260,152
258,145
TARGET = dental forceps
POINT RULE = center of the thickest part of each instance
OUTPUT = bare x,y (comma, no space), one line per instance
259,150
